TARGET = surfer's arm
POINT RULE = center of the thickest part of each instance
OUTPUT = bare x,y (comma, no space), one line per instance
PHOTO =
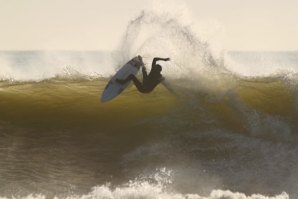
159,59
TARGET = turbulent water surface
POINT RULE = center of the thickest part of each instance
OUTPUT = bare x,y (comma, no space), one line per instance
223,127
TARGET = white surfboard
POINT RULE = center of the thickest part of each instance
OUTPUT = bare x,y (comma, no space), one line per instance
113,89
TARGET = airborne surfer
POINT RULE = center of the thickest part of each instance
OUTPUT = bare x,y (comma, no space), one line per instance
149,81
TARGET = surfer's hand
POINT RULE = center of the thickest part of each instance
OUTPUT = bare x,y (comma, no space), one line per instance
167,59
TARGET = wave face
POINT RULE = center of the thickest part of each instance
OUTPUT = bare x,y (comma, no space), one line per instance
215,131
57,138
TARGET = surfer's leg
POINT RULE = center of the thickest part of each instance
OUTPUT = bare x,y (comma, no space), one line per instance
136,82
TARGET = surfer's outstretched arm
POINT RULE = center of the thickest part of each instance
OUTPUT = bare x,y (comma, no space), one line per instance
159,59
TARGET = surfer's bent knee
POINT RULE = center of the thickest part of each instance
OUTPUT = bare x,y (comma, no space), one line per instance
136,82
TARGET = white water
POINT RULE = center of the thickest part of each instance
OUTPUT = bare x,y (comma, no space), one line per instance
154,187
153,33
39,65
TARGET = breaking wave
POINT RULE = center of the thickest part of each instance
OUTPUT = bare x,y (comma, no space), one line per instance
217,126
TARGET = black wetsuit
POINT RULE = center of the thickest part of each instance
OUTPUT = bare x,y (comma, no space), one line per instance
149,81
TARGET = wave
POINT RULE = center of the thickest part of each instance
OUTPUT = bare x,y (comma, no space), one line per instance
154,186
207,115
42,65
204,133
204,90
147,190
258,107
150,34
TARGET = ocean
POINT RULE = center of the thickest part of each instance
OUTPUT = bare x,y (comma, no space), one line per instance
225,127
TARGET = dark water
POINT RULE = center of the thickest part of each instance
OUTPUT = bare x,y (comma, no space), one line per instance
57,139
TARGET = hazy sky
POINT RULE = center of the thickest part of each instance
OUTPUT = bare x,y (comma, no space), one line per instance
99,24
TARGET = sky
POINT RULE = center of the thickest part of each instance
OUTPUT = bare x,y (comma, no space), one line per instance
100,24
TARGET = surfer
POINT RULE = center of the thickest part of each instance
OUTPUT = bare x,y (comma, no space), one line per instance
149,81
